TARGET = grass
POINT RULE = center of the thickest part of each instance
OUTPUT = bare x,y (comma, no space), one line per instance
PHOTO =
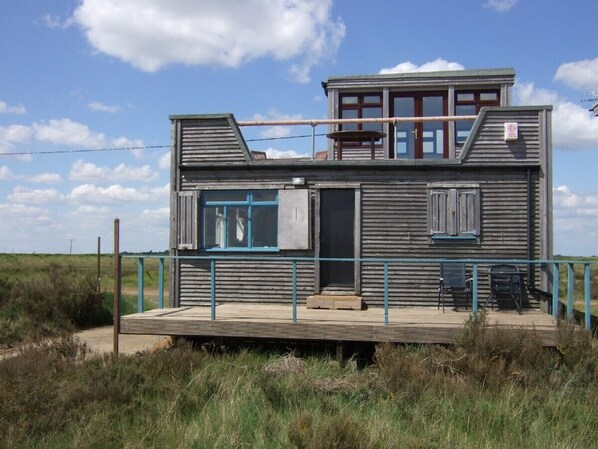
491,389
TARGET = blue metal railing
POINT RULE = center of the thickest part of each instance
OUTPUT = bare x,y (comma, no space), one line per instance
386,262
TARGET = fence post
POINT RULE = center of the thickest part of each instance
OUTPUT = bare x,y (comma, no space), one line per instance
140,271
116,293
570,288
555,289
474,288
386,293
213,289
161,282
587,296
294,291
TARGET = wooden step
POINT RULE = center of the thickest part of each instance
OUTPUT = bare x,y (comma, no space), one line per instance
335,302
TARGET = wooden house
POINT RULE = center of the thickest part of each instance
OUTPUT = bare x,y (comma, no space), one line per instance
427,186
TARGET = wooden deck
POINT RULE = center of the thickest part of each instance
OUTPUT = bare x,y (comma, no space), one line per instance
406,325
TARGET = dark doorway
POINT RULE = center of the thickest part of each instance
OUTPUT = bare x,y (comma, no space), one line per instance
337,238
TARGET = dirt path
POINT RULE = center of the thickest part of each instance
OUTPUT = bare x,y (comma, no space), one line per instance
100,340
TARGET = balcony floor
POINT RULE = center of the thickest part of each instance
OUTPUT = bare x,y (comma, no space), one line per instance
406,325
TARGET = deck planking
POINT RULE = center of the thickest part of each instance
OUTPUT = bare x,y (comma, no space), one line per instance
406,325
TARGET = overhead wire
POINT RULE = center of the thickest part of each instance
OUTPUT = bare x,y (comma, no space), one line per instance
145,147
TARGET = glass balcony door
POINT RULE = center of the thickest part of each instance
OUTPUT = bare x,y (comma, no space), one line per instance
420,140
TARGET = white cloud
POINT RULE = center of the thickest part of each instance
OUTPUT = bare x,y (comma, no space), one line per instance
156,215
45,178
18,215
87,171
431,66
276,131
6,174
164,162
35,196
500,5
273,153
67,132
581,75
6,109
89,193
226,33
573,126
91,210
101,107
13,134
575,220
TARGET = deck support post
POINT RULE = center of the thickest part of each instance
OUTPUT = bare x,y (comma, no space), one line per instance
386,293
587,296
161,282
555,290
339,351
213,289
294,291
570,287
116,293
474,288
140,286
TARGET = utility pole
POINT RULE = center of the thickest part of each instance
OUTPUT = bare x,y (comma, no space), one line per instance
71,247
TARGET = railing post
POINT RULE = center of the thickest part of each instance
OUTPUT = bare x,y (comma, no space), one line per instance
474,288
294,291
570,288
140,272
161,283
117,288
587,295
213,289
386,293
555,289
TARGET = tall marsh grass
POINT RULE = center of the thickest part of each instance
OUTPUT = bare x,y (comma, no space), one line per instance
491,389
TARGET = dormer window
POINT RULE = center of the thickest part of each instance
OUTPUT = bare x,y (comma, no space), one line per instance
367,105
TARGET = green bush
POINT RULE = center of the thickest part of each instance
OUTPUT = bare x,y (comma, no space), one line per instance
48,304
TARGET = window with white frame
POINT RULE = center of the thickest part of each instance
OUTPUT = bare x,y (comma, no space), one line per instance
454,211
239,220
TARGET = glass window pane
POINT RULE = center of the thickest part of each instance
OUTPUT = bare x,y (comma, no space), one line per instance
432,106
372,113
213,227
462,96
237,221
488,96
349,113
264,195
372,99
467,109
463,130
264,225
224,195
433,140
349,100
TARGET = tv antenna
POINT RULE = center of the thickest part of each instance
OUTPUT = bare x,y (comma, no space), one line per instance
592,96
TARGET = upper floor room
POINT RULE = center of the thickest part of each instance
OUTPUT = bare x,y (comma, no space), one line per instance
421,104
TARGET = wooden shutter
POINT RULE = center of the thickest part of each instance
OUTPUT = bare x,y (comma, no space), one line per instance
439,200
293,219
187,218
469,212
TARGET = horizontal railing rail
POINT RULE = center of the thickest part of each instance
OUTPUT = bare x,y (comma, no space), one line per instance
475,264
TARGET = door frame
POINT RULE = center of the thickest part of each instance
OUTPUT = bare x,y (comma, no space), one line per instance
418,126
356,234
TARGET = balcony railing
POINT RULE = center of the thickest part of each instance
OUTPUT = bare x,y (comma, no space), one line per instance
555,267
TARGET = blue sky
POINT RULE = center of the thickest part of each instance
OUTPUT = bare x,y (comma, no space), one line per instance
104,74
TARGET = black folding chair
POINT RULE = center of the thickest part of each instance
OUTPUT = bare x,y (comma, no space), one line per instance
505,282
453,279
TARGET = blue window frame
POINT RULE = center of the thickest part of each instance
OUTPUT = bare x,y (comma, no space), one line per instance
239,220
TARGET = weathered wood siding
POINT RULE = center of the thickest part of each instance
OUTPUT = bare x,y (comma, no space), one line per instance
393,211
488,147
213,141
243,281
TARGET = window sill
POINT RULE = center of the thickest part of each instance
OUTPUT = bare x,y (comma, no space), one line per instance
455,237
240,250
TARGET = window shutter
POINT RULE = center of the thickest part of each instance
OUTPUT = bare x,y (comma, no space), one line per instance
438,209
469,212
293,219
187,218
451,212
